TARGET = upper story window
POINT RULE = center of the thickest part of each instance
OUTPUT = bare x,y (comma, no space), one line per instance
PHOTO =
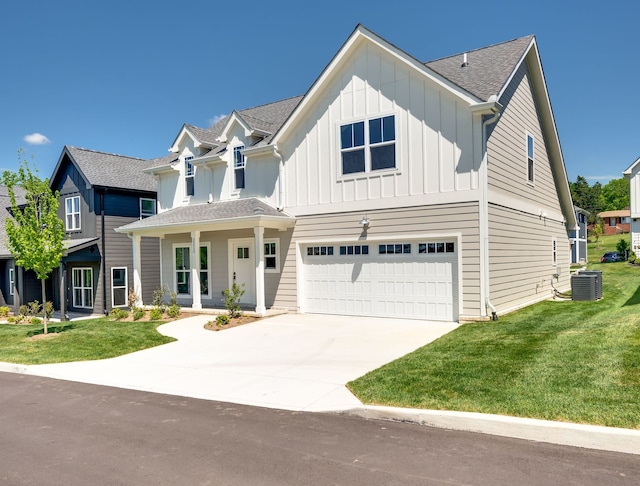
369,146
238,166
72,213
189,176
530,158
147,207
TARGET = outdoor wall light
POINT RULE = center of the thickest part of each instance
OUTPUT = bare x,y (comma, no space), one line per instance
364,222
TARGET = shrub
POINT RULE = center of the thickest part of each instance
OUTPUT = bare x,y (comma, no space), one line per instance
138,313
632,257
222,320
34,308
35,320
23,310
11,319
132,300
118,314
158,298
155,314
173,311
4,311
232,299
48,308
622,247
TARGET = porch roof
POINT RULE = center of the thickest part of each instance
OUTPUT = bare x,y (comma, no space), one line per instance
239,213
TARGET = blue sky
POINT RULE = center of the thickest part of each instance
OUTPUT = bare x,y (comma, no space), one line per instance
123,76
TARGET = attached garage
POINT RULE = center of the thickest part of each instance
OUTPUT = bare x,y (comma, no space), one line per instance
406,279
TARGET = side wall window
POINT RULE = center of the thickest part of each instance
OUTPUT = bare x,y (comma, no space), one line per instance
238,167
271,256
189,177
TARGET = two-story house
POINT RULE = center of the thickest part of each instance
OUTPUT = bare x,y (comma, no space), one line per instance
393,187
99,192
632,174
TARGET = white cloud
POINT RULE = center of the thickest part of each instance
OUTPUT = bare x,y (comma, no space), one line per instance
215,119
602,178
36,139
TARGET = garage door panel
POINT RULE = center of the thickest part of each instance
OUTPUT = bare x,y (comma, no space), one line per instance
395,285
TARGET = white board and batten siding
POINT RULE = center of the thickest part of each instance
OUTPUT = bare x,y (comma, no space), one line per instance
436,143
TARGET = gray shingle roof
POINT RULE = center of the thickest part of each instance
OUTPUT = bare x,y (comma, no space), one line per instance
5,206
209,213
488,68
111,170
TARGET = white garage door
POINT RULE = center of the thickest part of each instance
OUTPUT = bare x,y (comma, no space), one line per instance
410,279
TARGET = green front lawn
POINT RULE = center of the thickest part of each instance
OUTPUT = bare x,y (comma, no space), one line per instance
567,361
77,340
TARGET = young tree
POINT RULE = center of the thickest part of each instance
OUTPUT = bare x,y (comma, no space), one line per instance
35,232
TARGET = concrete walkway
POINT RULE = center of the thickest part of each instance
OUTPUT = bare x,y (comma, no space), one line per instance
302,362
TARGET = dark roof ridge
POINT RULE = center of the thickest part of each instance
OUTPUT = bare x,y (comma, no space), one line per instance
490,46
104,153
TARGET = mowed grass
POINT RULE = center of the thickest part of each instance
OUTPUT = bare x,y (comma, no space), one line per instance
77,340
568,361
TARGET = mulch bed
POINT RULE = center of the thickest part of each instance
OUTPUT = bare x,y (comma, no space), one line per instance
236,321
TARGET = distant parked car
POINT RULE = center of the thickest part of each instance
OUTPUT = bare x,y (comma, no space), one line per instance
611,256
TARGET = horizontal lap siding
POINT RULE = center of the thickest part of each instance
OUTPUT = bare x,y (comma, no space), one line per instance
437,220
520,257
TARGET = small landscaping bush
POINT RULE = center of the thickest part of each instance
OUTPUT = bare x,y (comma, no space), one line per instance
138,313
173,311
158,301
118,314
155,314
4,311
222,320
35,321
232,299
632,257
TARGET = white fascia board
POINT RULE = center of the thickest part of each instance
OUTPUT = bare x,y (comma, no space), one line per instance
258,150
184,132
629,171
244,222
159,169
550,130
360,35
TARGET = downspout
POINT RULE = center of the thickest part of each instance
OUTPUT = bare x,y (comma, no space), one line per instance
484,210
278,154
104,263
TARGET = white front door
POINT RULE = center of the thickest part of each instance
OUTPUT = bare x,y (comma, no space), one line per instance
243,269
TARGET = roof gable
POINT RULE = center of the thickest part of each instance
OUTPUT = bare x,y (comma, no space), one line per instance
107,170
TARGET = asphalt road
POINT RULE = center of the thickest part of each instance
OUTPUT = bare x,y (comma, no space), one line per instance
57,432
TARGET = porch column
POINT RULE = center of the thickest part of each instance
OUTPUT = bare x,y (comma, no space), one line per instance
259,242
137,269
63,292
195,270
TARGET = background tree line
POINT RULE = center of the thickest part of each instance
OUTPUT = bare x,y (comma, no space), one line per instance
614,195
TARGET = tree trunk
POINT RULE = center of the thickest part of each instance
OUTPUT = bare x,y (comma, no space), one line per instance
44,305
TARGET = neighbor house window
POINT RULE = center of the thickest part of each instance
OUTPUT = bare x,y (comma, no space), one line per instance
12,280
72,213
530,158
147,207
369,146
83,288
271,256
119,289
238,166
612,221
189,176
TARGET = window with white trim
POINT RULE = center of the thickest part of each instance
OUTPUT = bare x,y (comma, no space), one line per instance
189,176
83,288
437,247
271,257
368,146
147,207
119,287
394,249
204,270
320,251
72,213
12,280
239,166
182,266
530,154
354,250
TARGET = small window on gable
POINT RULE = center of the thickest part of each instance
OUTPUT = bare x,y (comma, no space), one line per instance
530,159
72,213
238,166
147,207
189,176
370,146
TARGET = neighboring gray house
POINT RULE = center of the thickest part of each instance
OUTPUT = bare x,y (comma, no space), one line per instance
578,237
394,188
99,192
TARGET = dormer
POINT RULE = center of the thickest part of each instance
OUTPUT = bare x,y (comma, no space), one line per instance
243,127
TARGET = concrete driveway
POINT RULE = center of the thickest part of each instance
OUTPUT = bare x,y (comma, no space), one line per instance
291,361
